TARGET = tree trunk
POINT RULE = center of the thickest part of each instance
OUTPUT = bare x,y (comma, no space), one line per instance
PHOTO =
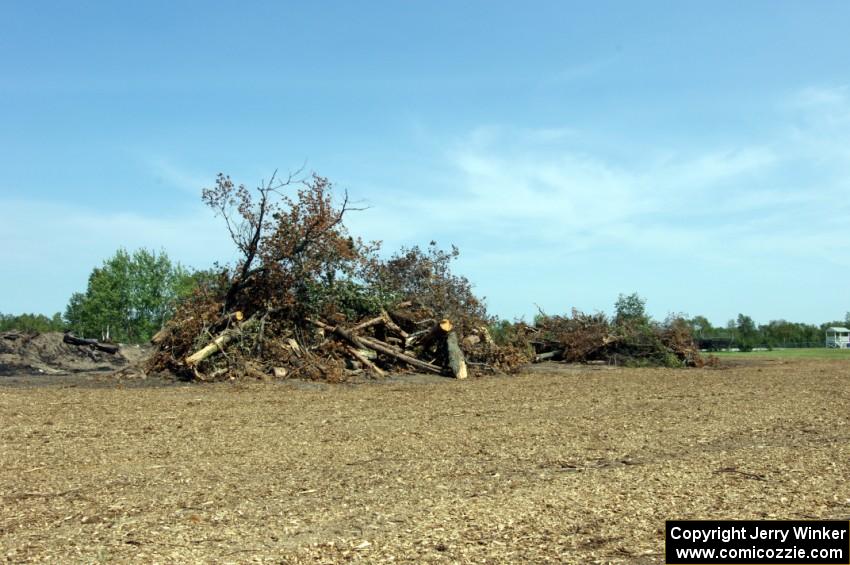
341,332
365,361
548,355
392,326
437,332
457,363
389,350
362,342
219,343
368,323
105,347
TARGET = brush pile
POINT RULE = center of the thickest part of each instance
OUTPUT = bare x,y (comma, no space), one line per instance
307,300
266,344
628,340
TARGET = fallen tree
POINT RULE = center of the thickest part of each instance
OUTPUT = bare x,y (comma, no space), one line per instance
110,348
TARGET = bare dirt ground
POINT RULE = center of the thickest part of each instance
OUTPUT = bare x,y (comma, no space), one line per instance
23,354
560,464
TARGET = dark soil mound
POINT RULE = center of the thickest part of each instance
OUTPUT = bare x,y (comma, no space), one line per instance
48,354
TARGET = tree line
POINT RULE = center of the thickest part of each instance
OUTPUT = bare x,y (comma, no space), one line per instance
745,334
127,299
131,295
32,322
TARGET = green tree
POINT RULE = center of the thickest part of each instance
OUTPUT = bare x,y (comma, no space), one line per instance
31,322
701,326
129,297
630,309
782,333
747,333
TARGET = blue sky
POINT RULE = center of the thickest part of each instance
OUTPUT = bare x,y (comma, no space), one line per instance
697,153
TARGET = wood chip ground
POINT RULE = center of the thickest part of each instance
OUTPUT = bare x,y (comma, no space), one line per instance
558,465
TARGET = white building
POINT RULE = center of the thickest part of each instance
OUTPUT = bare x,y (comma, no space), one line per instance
837,337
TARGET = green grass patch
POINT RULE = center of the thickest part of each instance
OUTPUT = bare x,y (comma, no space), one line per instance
791,353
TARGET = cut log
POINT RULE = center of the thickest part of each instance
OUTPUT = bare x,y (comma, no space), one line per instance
362,342
219,343
365,361
341,332
160,336
384,319
369,354
215,345
457,363
436,333
392,352
228,319
392,326
368,324
548,355
411,340
93,343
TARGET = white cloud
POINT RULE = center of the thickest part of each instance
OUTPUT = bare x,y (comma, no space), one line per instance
562,197
524,201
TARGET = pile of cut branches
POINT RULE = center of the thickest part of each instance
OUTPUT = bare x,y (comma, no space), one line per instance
585,338
307,300
334,349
